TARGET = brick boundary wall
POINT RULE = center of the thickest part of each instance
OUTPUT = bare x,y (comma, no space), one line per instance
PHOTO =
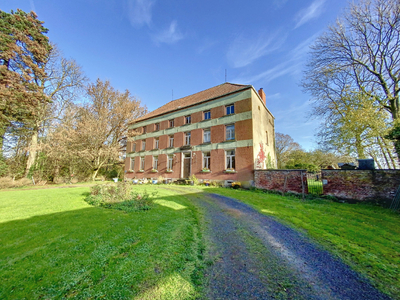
362,185
275,180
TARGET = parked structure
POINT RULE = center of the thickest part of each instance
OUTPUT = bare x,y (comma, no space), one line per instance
222,133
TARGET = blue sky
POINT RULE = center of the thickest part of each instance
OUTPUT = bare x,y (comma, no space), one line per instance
154,47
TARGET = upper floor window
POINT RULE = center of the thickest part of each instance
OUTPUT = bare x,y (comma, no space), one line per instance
206,136
230,159
187,138
171,123
133,147
207,115
157,127
230,109
206,160
132,166
266,136
143,145
155,162
144,129
156,143
230,132
171,141
188,119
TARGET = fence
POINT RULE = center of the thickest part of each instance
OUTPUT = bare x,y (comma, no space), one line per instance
314,183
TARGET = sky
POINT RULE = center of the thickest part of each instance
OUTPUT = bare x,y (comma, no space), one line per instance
165,50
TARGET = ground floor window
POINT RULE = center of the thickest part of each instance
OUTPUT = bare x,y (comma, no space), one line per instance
142,163
132,167
230,159
155,162
206,160
170,162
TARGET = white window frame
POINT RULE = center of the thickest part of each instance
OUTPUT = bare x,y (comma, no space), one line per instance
207,135
230,132
187,138
134,147
156,143
230,109
132,163
170,162
188,119
206,160
171,141
143,145
142,163
229,162
155,162
207,113
144,129
171,123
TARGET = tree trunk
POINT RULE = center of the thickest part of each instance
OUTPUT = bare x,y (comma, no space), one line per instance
95,174
32,151
359,147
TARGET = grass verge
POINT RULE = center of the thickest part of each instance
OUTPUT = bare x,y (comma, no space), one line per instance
54,245
366,237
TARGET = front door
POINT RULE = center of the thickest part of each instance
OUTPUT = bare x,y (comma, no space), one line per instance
186,165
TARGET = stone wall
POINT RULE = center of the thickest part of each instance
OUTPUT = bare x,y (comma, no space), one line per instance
275,180
362,185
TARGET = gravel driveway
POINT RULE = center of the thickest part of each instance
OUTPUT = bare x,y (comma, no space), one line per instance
256,257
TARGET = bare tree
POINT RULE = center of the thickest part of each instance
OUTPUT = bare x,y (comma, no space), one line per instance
284,145
364,45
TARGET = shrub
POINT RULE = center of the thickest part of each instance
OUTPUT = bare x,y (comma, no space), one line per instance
8,182
119,196
194,179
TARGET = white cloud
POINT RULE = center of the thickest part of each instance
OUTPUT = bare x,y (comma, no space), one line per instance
33,8
243,51
279,3
309,13
170,35
140,12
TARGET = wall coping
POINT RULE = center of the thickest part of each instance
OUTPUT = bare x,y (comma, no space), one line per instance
281,170
374,170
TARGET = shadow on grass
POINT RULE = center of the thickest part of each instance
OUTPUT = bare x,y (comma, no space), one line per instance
96,252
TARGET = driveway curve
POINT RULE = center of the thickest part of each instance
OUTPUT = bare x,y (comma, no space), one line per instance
253,256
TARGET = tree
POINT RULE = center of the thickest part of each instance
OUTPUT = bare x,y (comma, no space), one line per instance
284,145
91,136
24,51
358,58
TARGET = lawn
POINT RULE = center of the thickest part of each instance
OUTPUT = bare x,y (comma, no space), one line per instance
54,245
367,237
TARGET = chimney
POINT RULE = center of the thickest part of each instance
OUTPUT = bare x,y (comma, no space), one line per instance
262,95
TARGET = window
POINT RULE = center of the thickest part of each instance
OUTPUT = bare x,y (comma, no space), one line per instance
142,163
170,162
133,147
230,132
187,138
188,119
171,123
157,127
266,135
230,109
206,136
155,162
207,115
144,129
206,160
171,141
156,143
143,145
230,159
132,167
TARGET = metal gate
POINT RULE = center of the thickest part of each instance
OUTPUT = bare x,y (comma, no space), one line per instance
314,183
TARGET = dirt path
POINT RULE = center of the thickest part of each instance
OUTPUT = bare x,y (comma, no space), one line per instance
256,257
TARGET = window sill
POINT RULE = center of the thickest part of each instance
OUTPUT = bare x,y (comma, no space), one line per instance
227,141
169,171
230,171
170,147
132,152
227,115
205,171
141,151
154,171
140,171
130,171
205,120
206,143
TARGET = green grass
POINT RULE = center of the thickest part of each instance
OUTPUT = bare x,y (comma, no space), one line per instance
54,245
367,237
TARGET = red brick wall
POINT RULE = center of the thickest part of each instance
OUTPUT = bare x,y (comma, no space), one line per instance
179,121
275,180
149,144
197,117
217,134
243,130
164,124
362,185
163,142
178,139
217,112
196,137
243,105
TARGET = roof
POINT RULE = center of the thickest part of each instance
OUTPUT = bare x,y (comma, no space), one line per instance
209,94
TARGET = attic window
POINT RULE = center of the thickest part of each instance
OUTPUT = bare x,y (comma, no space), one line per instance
188,119
230,109
157,126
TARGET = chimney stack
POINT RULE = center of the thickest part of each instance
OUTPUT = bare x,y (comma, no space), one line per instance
262,95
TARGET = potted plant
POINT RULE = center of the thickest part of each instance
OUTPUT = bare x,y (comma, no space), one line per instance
168,171
205,170
230,170
141,171
154,171
130,171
